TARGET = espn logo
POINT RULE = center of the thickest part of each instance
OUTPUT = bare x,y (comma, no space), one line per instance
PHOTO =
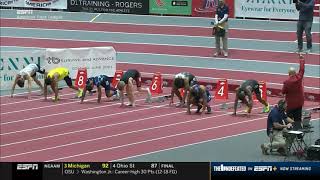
27,166
262,168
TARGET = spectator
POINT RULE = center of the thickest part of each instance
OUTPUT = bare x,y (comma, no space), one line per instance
293,91
277,122
221,22
305,8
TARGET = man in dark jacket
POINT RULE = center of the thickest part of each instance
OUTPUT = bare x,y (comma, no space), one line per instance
276,123
305,8
294,95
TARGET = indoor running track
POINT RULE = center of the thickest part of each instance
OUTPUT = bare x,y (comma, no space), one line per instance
38,130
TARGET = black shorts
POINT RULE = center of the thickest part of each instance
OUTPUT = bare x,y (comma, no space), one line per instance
257,91
68,81
134,74
138,80
40,70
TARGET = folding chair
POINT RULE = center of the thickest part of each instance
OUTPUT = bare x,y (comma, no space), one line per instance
297,146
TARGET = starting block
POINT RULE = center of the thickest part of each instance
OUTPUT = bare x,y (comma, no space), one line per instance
156,86
81,78
225,106
221,91
263,91
117,76
181,90
159,99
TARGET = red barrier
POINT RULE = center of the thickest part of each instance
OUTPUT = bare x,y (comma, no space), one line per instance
156,86
222,90
81,78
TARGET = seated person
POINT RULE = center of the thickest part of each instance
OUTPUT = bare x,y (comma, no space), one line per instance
277,122
101,80
182,80
244,93
199,96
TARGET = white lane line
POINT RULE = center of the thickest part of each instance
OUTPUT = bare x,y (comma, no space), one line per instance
99,127
156,139
88,129
95,17
186,145
167,25
141,33
256,72
19,93
69,122
131,132
33,99
158,44
160,138
173,45
215,79
302,40
54,105
210,47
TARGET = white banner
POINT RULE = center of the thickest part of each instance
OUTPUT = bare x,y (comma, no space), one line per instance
50,4
97,60
271,9
11,62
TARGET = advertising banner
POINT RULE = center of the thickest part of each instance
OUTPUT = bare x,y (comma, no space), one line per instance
110,6
49,4
12,3
11,62
284,9
204,8
207,8
170,7
97,60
